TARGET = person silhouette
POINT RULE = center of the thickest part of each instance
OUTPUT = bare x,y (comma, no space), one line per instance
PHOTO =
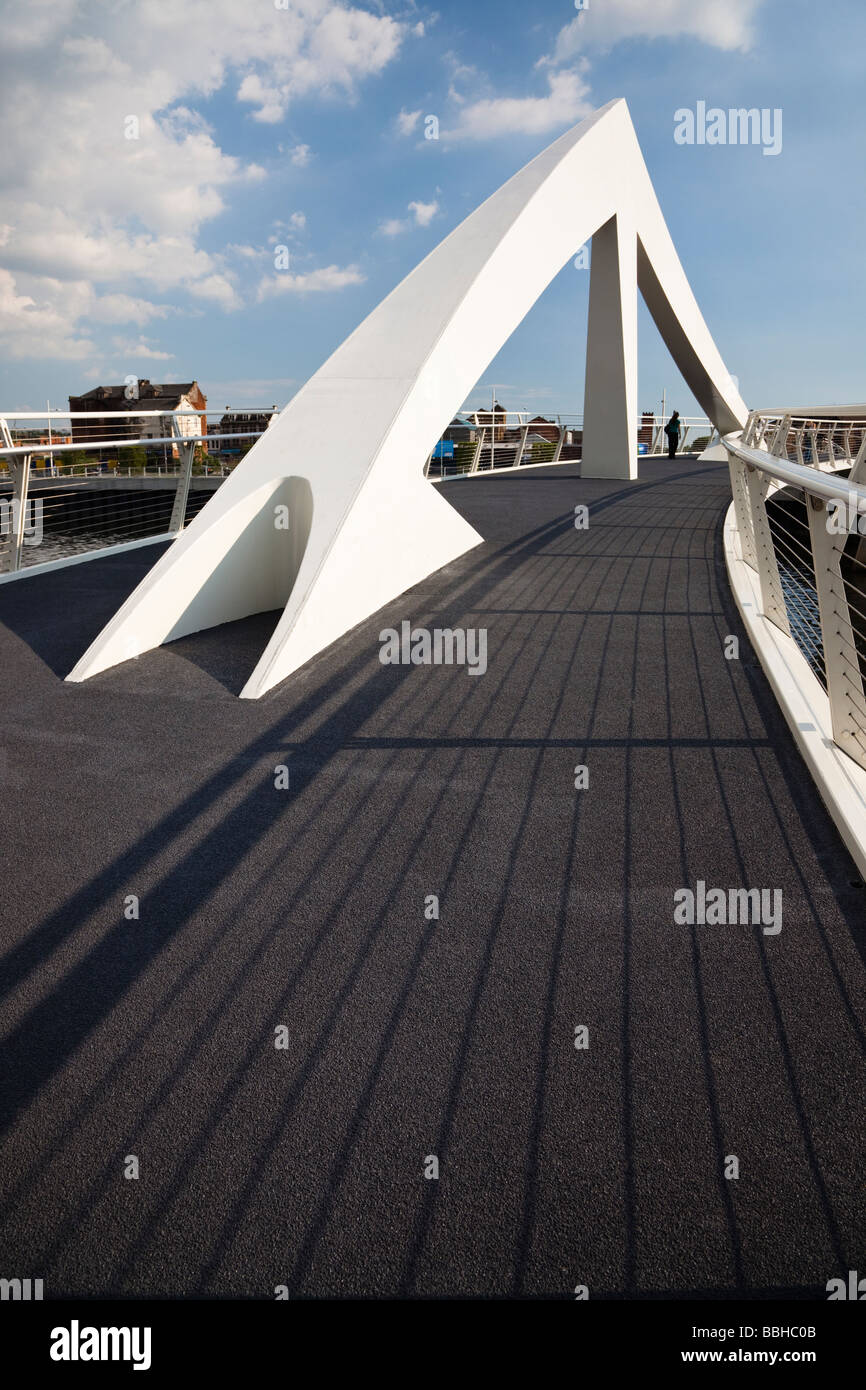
672,430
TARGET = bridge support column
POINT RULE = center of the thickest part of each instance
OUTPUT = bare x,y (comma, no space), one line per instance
610,393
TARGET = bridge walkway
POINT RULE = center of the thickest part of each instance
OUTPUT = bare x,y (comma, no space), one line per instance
407,1037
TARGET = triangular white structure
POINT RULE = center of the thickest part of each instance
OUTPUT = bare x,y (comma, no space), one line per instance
346,456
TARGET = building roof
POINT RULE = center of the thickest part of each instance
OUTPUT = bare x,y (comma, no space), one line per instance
168,394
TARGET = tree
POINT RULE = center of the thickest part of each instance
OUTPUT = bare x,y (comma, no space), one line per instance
73,459
464,453
542,450
136,459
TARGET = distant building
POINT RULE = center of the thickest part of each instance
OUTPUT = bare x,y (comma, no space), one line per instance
545,429
241,422
496,418
168,399
460,431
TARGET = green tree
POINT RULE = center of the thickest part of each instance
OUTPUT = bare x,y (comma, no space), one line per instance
136,459
542,450
464,452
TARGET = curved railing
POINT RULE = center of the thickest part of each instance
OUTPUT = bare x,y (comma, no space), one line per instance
803,531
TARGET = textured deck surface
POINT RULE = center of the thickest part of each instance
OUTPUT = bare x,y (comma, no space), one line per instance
407,1038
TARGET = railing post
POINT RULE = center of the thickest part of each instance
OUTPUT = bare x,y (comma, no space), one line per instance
524,435
772,598
798,445
178,511
558,450
749,431
20,470
858,468
841,661
780,438
479,444
742,510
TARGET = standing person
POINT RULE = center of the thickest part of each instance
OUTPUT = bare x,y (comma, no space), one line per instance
672,430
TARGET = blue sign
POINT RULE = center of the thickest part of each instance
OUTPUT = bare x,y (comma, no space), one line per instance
444,449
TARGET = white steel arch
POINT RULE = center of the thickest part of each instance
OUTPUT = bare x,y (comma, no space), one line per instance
365,525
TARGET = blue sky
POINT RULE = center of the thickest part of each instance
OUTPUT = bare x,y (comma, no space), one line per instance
303,127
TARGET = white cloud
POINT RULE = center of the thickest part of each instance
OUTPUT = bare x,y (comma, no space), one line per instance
424,212
143,349
327,278
271,106
124,308
36,23
300,155
726,24
96,223
406,121
318,47
567,101
461,72
219,289
30,329
421,215
246,253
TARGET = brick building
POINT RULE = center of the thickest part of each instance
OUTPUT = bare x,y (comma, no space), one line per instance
167,398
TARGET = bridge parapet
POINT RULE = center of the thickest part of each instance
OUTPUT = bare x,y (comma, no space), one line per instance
795,543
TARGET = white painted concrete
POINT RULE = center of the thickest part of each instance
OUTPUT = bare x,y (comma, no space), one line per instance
609,445
376,526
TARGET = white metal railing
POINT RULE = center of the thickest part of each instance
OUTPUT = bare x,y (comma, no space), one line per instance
68,466
513,440
61,494
828,438
802,528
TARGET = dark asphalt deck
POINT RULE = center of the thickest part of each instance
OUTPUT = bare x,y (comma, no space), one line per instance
261,907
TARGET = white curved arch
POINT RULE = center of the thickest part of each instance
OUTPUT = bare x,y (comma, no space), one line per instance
362,427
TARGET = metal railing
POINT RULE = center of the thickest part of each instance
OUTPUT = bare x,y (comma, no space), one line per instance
828,438
802,528
61,496
513,440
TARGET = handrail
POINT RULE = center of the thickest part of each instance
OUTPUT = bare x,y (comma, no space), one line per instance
140,441
824,485
814,595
